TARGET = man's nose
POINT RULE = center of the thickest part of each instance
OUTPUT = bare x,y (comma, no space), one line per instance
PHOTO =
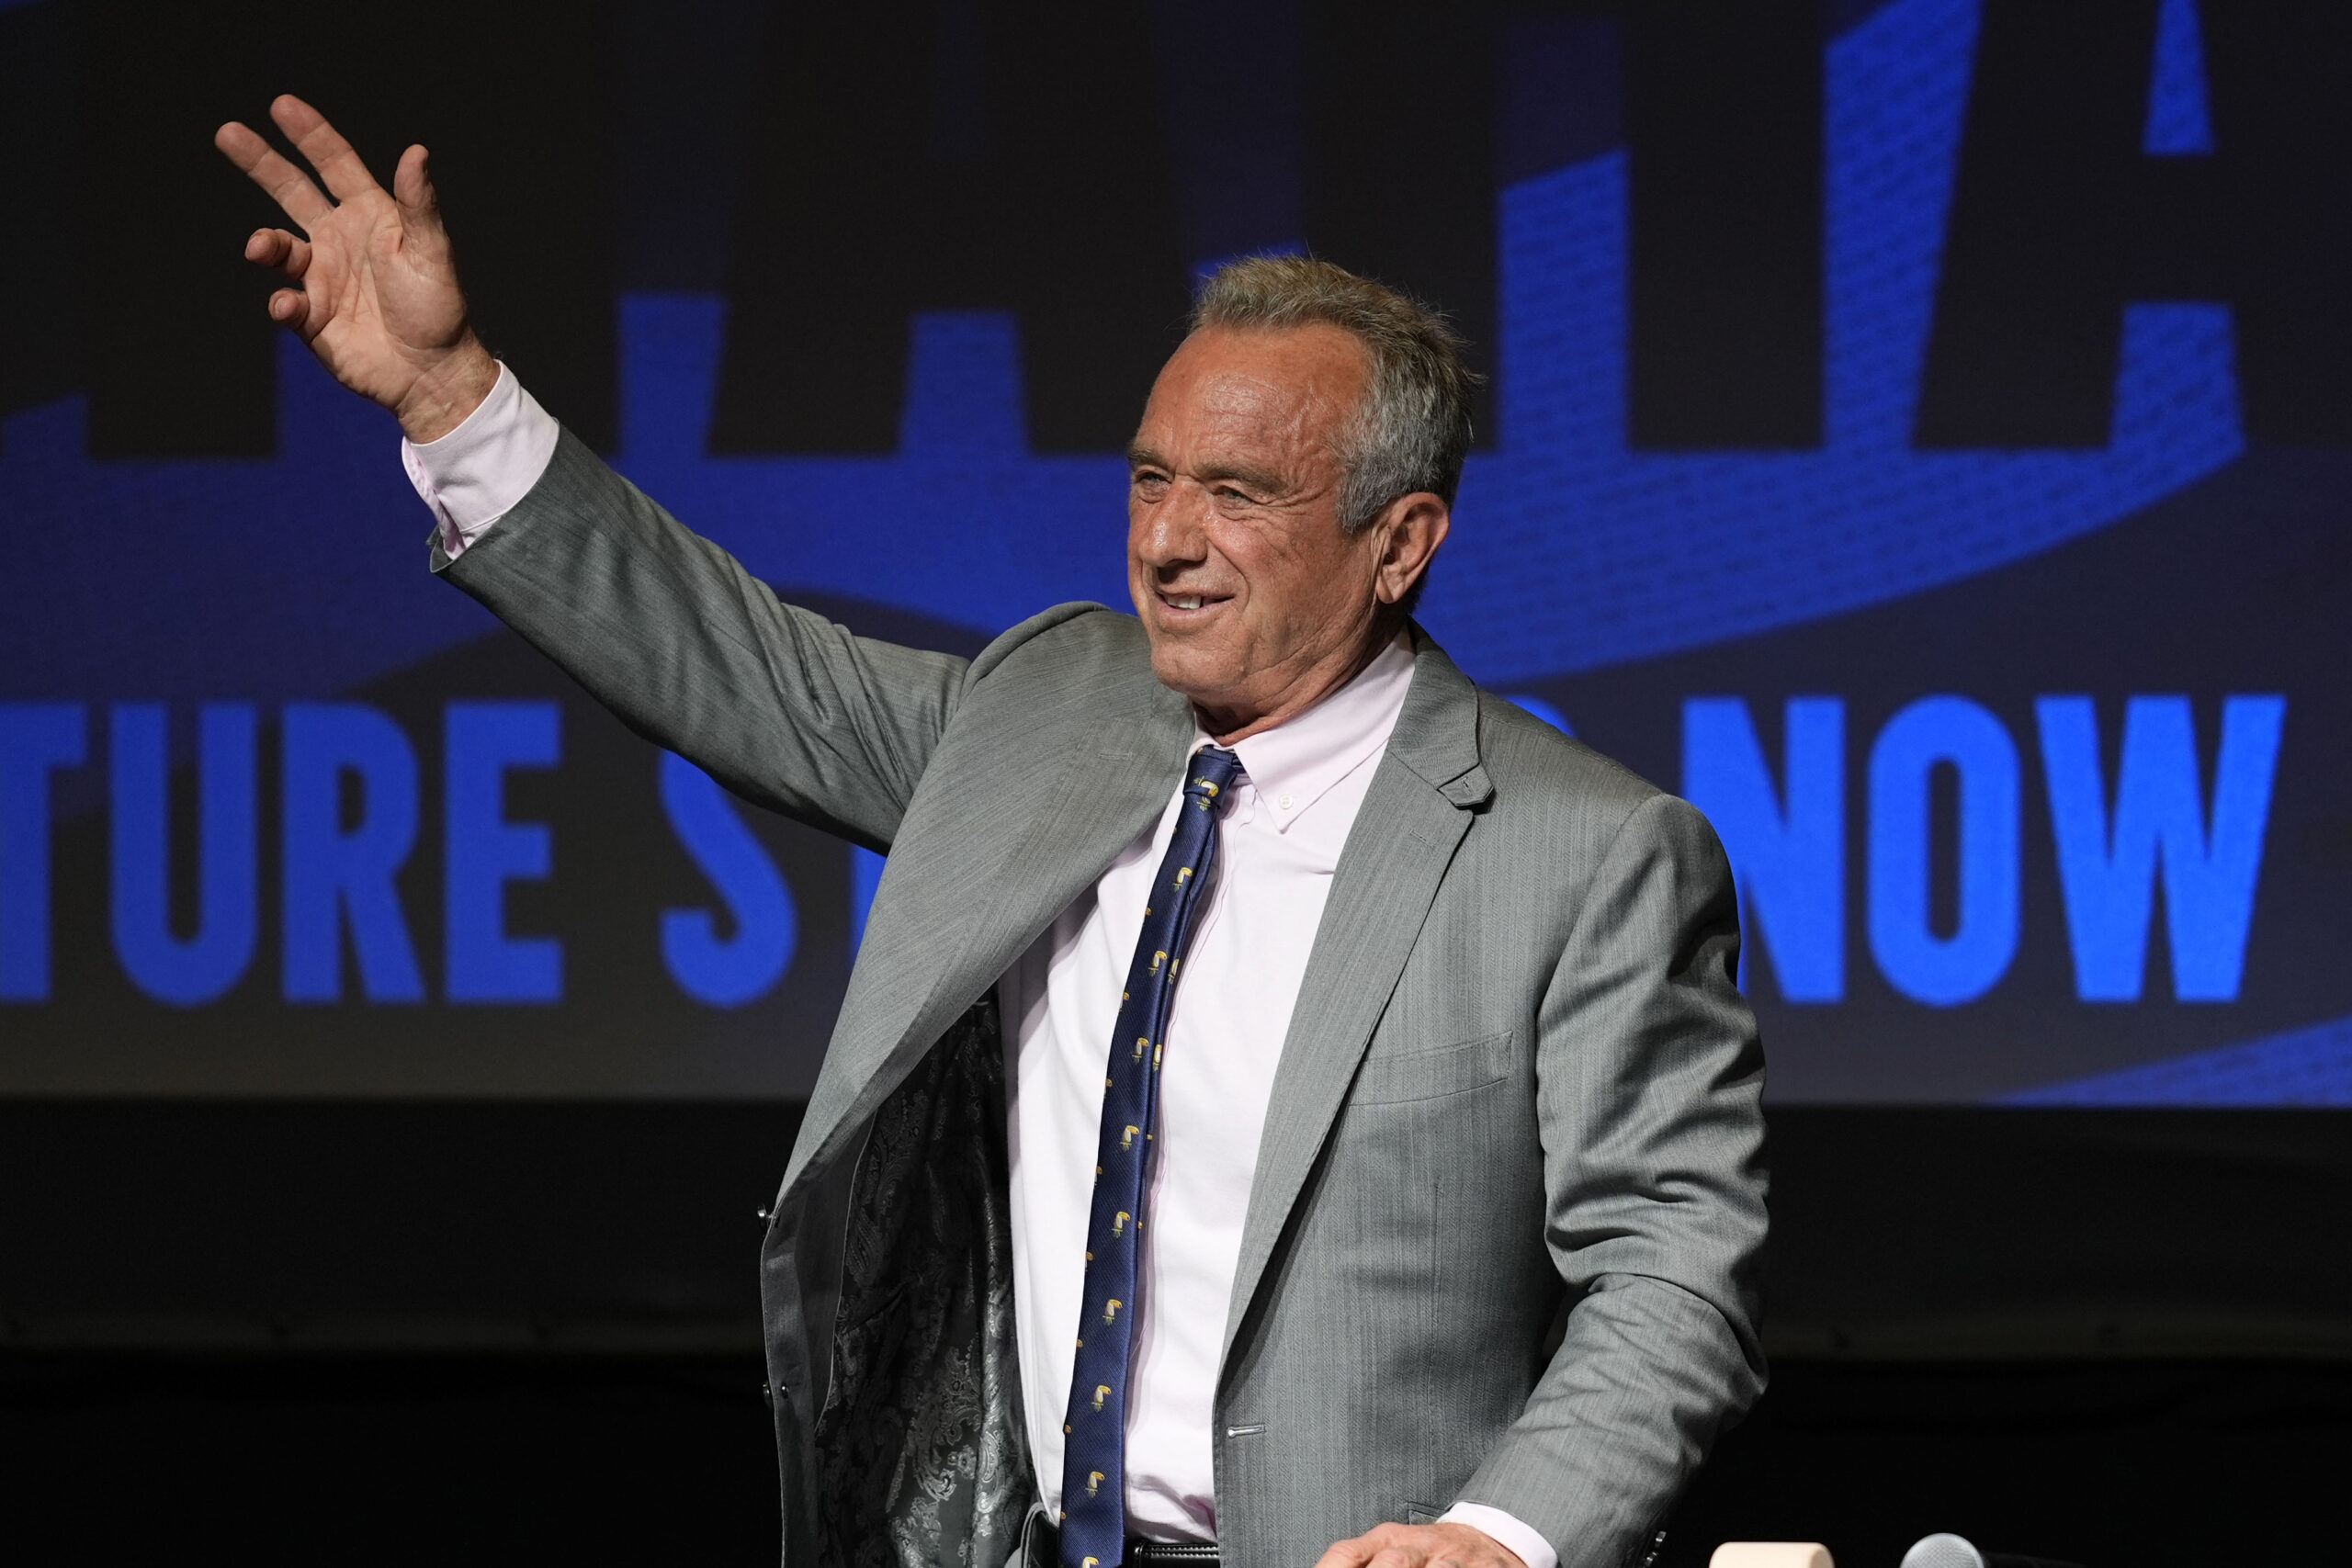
1172,535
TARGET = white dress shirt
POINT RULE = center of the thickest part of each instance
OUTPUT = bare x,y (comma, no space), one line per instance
1284,828
1282,831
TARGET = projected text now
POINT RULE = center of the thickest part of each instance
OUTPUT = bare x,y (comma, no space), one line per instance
2114,843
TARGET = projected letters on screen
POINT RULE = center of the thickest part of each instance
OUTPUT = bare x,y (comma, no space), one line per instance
1922,444
347,806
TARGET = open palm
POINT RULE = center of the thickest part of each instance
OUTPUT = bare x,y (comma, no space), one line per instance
376,296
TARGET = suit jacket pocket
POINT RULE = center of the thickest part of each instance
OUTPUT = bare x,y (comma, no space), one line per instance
1427,1075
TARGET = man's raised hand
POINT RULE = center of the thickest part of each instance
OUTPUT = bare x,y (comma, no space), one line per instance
376,294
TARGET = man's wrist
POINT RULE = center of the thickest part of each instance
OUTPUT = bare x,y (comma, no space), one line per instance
439,399
1507,1530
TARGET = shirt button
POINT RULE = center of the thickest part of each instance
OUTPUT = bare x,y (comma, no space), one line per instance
1283,801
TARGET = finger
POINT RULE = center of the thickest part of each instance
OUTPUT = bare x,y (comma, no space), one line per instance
287,185
323,145
1351,1553
287,253
420,207
413,184
289,308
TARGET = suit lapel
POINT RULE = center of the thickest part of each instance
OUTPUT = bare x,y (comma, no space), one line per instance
1405,833
971,900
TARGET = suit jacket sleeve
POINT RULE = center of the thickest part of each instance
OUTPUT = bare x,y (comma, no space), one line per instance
693,652
1650,1079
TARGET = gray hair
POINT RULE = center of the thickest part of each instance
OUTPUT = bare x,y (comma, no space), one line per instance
1413,429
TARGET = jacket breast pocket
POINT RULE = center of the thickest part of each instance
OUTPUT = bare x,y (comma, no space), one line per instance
1428,1074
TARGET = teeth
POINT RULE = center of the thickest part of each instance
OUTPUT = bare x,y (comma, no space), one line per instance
1186,601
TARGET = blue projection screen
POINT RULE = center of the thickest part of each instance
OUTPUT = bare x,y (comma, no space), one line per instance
1919,434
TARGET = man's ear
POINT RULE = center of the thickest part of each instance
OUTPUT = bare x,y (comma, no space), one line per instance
1412,527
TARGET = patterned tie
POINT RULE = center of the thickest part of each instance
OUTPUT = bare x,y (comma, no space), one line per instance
1094,1434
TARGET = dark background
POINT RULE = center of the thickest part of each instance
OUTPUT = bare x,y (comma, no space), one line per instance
358,1283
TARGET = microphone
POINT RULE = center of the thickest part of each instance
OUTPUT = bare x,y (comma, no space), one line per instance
1945,1551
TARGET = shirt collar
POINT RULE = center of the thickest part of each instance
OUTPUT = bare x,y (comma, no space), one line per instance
1296,763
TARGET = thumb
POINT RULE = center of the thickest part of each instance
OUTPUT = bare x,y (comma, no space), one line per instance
420,207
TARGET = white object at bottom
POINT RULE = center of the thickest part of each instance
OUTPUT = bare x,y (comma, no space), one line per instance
1770,1554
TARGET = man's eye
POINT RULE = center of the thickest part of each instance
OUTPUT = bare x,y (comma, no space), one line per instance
1151,482
1227,492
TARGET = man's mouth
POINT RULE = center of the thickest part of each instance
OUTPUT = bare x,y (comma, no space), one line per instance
1190,601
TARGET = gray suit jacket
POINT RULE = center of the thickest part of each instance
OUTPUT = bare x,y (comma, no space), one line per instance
1504,1232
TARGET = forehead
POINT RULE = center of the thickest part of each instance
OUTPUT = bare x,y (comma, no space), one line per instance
1272,388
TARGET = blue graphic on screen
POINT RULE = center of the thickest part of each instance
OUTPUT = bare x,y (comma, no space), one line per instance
1585,552
1576,553
339,874
2179,118
483,851
1943,970
2108,864
2302,1067
36,740
195,969
732,970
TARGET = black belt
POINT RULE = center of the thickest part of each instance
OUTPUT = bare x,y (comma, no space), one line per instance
1172,1554
1041,1548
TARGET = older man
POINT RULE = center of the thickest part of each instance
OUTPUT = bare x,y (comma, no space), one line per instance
1418,1206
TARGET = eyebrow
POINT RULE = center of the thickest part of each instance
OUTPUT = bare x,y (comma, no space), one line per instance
1142,457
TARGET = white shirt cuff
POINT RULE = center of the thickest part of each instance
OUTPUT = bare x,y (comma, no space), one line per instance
476,474
1531,1548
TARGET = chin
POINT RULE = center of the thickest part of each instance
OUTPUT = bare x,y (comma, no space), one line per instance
1189,670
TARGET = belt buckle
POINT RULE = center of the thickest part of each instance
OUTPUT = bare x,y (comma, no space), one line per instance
1143,1553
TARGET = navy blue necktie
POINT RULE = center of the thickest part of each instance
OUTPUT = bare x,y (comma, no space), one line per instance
1094,1432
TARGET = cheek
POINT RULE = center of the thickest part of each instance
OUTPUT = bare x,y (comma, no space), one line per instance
1312,585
